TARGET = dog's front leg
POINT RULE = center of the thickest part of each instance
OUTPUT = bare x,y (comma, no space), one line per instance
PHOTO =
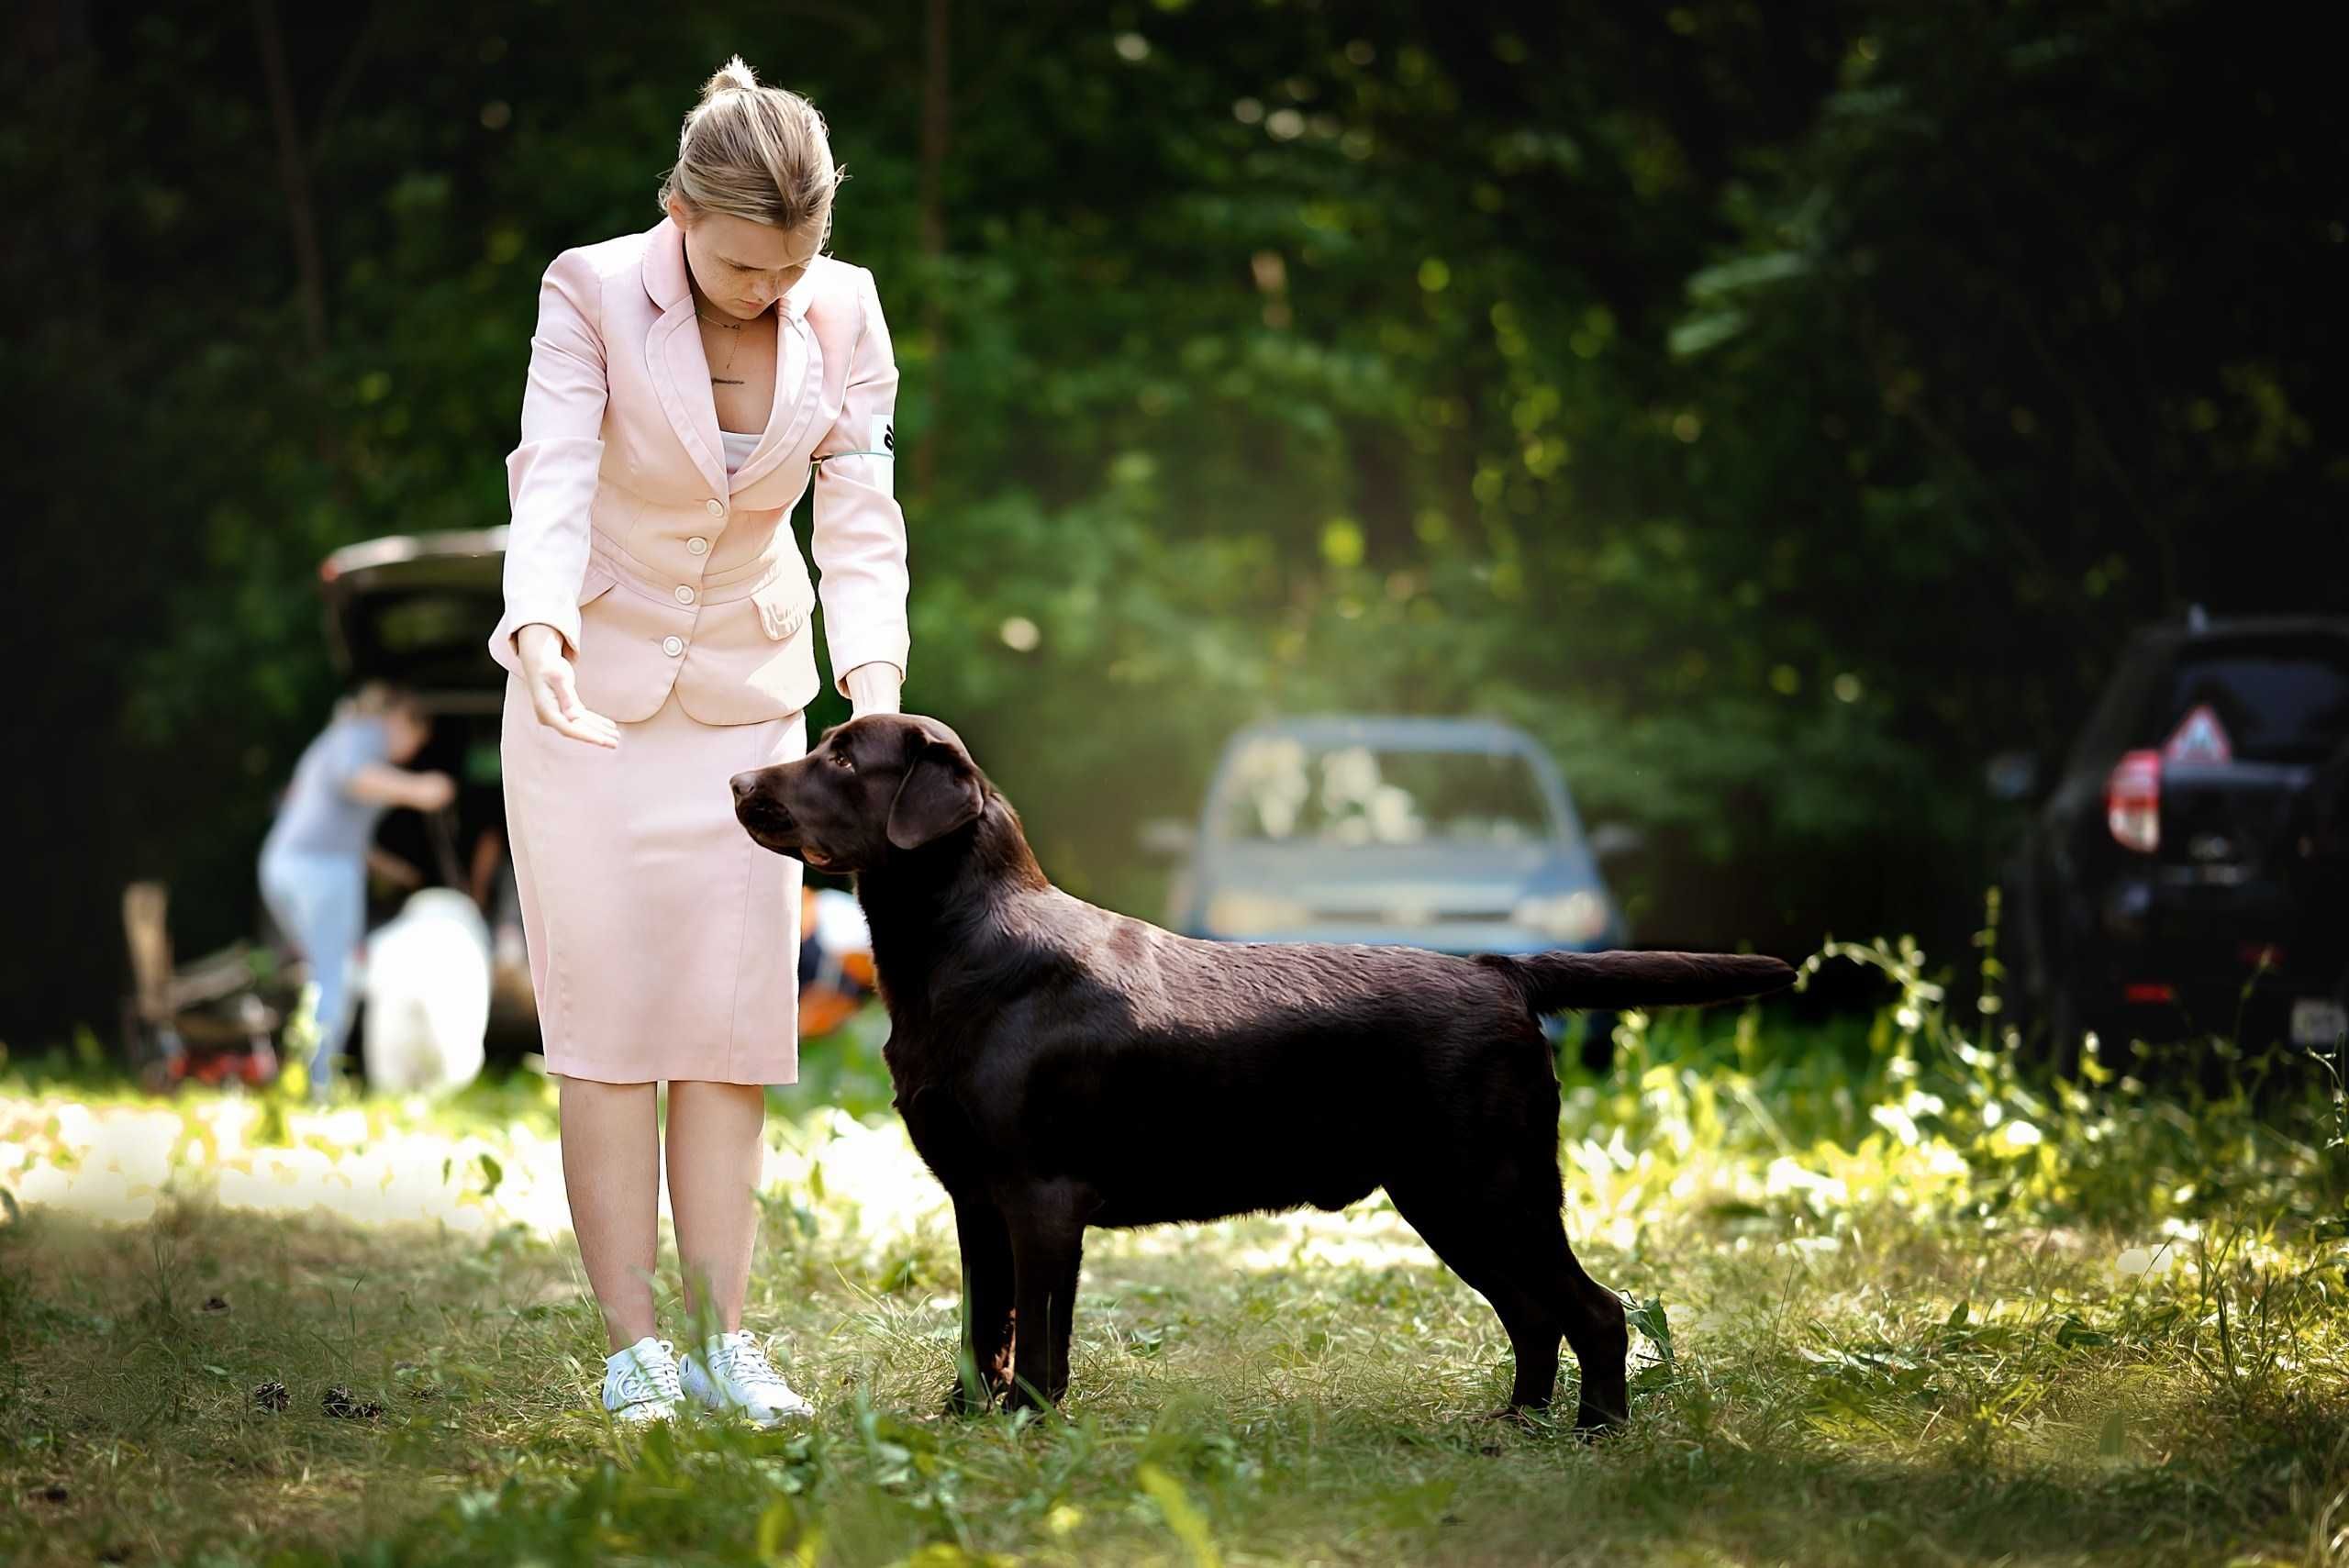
988,1322
1047,1249
1064,1324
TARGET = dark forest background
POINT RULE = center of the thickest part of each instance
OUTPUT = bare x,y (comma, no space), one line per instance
1779,408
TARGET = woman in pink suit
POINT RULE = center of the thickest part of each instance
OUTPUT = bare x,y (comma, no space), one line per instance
688,386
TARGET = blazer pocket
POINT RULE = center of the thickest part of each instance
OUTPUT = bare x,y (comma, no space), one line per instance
782,609
598,581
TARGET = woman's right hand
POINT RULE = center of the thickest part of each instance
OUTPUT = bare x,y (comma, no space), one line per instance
554,688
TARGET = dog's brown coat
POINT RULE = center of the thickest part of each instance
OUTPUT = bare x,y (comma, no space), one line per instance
1060,1065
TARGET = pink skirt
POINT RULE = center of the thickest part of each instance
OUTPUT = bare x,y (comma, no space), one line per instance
663,943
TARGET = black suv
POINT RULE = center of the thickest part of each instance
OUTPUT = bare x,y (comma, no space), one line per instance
2189,872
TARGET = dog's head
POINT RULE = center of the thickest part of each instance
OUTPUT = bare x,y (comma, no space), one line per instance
877,785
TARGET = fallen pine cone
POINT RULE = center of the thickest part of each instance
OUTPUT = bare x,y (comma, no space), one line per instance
342,1403
270,1396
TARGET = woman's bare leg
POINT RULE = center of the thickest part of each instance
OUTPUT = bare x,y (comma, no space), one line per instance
611,1171
716,1154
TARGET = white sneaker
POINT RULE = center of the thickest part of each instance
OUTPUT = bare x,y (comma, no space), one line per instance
641,1383
731,1373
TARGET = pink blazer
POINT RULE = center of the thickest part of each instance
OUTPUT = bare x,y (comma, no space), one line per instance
629,538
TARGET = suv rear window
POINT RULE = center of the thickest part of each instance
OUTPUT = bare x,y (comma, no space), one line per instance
2279,702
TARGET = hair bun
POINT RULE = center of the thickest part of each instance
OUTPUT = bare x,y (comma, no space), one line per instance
755,152
734,76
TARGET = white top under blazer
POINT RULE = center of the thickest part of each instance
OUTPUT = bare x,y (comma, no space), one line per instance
740,445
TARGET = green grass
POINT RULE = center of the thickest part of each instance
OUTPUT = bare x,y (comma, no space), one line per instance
1902,1305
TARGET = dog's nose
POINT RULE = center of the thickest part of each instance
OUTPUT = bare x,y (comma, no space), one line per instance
743,783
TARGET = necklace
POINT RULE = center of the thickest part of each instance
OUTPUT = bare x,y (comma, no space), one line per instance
732,344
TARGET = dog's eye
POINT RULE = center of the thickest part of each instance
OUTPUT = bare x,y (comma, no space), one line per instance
845,761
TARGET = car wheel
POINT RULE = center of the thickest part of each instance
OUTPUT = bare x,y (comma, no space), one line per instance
2023,986
2071,1017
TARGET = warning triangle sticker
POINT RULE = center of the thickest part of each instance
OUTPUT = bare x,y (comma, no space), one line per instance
2199,737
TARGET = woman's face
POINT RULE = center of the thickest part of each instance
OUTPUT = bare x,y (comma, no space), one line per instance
744,267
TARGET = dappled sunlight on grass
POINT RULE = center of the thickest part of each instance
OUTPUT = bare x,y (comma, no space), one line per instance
485,1162
1878,1321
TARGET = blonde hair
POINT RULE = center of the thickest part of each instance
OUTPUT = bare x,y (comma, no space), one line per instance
754,152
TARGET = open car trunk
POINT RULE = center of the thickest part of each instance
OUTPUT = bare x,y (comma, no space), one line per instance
417,609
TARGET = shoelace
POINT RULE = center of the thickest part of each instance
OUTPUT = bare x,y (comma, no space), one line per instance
640,1381
741,1363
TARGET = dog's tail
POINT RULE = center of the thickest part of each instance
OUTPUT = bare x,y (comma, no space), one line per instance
1555,981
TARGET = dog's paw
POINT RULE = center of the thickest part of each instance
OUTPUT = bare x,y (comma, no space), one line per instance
963,1400
1593,1424
1507,1415
1536,1419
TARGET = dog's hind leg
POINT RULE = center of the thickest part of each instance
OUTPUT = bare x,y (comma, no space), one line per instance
1503,1234
1486,1246
988,1325
1516,1257
1595,1327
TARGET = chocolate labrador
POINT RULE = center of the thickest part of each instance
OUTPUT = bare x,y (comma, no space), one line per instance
1060,1066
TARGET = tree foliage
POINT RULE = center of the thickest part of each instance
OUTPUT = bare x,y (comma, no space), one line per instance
1778,408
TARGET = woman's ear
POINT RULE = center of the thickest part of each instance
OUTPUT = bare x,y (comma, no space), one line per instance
940,793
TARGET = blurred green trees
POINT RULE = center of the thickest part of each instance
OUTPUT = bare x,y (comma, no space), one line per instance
1778,408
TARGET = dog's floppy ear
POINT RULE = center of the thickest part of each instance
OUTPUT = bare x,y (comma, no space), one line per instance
941,791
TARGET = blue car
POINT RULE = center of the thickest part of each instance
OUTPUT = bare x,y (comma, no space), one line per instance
1444,833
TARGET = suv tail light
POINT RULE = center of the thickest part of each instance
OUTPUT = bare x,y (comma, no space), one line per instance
2132,802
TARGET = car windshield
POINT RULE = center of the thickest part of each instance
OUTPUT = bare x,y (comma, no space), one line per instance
1279,788
2277,704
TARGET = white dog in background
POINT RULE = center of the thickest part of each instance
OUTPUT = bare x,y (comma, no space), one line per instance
428,995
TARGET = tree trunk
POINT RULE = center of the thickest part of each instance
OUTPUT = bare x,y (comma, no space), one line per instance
936,107
294,174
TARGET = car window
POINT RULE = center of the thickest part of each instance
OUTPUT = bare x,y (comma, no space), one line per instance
1279,788
2278,703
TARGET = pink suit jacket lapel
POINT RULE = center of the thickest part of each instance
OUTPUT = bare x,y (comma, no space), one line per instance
681,372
